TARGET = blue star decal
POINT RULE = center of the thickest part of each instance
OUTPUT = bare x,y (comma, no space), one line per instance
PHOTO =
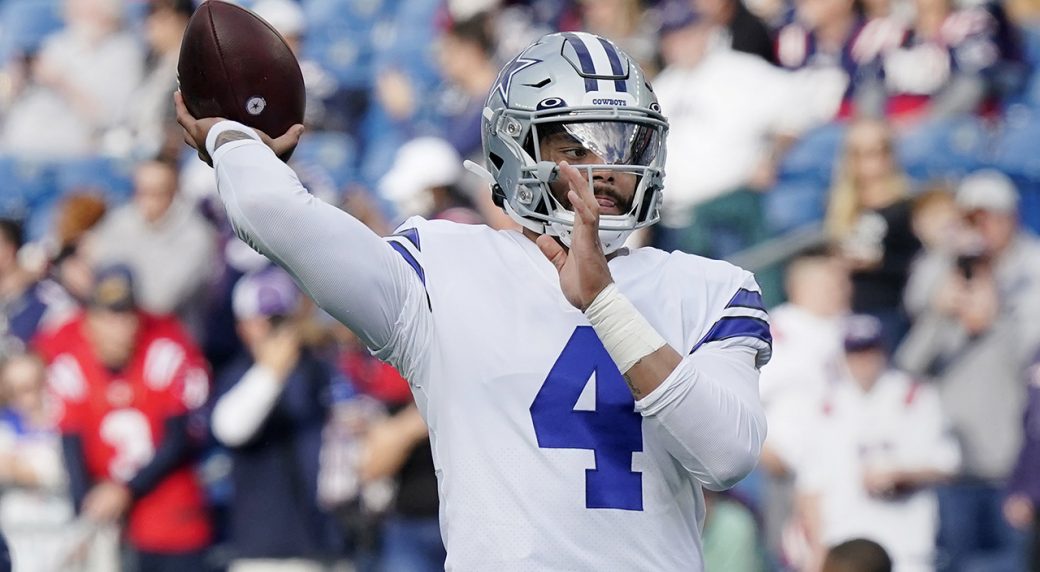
514,67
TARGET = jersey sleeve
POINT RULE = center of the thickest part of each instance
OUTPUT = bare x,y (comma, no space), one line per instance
741,321
350,272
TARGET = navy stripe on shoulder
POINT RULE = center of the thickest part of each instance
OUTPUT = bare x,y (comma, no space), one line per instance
412,234
736,327
745,298
409,259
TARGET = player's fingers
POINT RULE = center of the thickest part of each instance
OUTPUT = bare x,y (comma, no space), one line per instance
287,140
552,250
184,117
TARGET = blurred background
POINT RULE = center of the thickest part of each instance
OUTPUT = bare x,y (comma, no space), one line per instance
169,401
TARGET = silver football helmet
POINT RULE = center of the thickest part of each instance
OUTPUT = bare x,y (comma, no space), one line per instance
584,88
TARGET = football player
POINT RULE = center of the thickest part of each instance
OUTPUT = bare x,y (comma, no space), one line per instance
579,395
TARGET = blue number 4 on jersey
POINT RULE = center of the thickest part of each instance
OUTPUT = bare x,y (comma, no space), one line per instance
613,430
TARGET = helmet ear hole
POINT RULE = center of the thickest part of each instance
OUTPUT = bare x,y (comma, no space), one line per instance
497,161
498,196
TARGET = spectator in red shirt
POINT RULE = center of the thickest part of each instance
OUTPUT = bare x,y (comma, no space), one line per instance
126,381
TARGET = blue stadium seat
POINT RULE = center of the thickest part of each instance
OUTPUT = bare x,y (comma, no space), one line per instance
25,23
334,153
110,177
1015,153
944,150
23,184
815,155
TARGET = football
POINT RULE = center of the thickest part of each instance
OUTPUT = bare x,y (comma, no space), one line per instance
233,64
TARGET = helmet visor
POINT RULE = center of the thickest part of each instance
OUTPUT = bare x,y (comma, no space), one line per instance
611,142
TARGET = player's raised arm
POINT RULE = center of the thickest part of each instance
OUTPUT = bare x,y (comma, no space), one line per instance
338,261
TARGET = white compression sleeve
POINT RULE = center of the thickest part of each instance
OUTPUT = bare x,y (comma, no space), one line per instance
708,415
344,266
241,411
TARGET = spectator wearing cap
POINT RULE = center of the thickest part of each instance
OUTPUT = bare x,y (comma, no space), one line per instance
168,245
127,381
271,405
879,442
425,181
731,114
976,327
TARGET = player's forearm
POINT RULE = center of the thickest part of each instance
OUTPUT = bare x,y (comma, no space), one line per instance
708,416
170,454
345,267
241,411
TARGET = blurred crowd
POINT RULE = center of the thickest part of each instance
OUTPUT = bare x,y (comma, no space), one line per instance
170,401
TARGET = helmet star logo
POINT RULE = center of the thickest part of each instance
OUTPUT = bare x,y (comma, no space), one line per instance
514,67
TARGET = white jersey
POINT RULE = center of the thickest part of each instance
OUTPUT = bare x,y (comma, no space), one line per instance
897,425
544,459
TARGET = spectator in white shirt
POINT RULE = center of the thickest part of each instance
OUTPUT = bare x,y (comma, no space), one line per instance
880,441
730,113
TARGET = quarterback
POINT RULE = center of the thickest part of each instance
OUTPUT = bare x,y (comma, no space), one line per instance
579,395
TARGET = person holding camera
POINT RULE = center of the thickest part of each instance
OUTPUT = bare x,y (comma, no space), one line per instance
270,408
976,325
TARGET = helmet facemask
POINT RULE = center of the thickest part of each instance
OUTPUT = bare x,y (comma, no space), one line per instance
619,152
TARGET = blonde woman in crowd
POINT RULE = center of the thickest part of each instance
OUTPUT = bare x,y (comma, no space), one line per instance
868,223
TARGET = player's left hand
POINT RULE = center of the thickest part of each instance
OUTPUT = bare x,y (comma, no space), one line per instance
106,502
583,269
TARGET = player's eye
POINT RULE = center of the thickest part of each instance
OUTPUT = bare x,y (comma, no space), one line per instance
576,153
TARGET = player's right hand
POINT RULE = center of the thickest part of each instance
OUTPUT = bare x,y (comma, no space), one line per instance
196,131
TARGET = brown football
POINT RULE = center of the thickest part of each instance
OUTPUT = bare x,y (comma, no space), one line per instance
233,64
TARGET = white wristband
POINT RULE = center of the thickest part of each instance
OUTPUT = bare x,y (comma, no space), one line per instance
227,125
625,333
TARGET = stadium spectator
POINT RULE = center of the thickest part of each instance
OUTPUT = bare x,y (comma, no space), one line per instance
879,441
127,381
465,55
169,246
730,113
742,31
857,555
425,180
271,406
148,132
399,448
82,83
935,219
832,48
27,303
807,338
624,22
395,448
1020,507
975,327
947,63
34,503
869,222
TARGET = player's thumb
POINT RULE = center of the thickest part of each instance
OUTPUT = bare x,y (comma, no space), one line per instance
288,140
552,250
